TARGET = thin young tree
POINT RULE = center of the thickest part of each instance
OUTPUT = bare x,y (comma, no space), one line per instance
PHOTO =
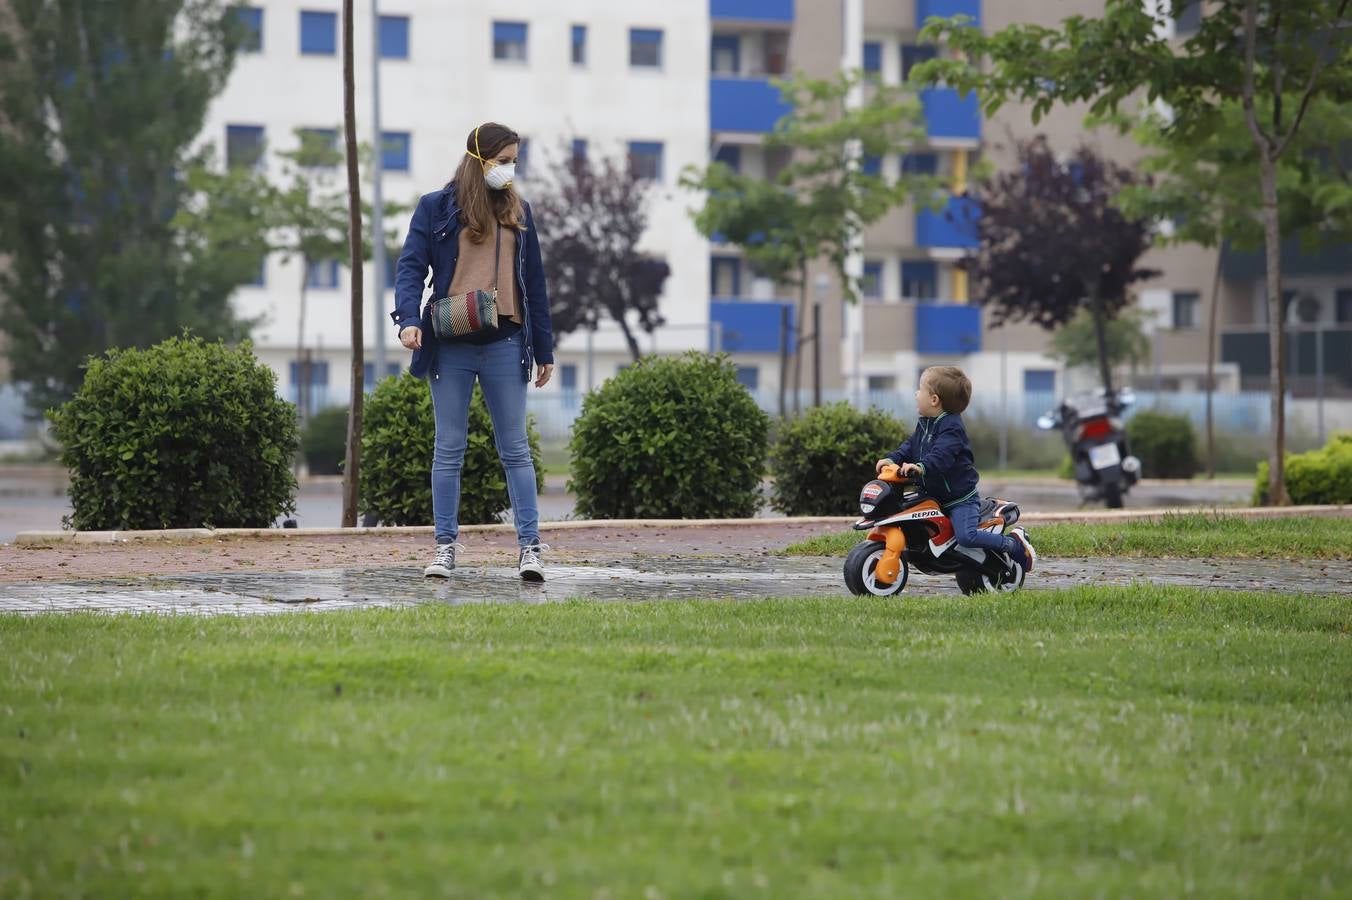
352,471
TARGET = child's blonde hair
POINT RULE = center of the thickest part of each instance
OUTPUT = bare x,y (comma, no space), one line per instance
953,388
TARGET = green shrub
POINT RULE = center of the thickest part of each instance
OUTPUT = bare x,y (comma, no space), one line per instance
1028,448
183,434
820,460
323,441
1165,444
669,438
1319,476
396,457
1066,470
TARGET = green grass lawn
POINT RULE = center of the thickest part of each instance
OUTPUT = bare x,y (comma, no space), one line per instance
1206,535
1100,741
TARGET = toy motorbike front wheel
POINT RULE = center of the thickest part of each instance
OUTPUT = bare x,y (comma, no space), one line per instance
860,565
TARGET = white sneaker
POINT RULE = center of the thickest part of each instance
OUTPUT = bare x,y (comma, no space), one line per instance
444,561
529,564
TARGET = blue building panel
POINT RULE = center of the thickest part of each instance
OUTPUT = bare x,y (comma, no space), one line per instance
750,326
947,329
745,104
952,226
752,10
947,9
948,115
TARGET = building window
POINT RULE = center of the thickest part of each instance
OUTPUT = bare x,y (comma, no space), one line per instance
319,147
251,18
394,37
392,370
919,280
1185,310
579,45
725,276
323,275
912,54
880,383
394,151
261,279
1189,18
725,56
645,159
645,48
871,165
318,33
873,59
522,157
729,155
319,373
749,377
871,285
243,145
920,164
1343,305
1039,381
568,377
509,41
579,151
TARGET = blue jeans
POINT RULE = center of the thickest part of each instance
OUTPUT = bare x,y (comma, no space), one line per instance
497,366
965,518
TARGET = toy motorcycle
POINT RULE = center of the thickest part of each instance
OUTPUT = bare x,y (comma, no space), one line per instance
906,527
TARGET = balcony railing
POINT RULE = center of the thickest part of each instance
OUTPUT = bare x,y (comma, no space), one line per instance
752,10
744,104
948,329
946,9
954,226
949,116
750,326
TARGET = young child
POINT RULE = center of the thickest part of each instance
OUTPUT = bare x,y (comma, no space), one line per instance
939,452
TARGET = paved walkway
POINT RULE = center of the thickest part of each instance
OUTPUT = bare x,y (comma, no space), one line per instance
639,578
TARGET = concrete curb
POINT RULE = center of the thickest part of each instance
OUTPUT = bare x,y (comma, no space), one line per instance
186,535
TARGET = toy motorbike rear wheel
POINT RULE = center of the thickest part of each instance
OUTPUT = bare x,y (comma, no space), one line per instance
860,565
980,583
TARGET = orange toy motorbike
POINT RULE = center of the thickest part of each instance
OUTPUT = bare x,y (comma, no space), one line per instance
906,527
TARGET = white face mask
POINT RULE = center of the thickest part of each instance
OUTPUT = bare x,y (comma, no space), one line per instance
500,176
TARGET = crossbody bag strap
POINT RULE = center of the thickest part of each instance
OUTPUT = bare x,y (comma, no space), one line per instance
497,254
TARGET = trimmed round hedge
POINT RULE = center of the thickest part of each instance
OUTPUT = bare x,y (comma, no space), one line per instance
184,434
323,441
398,428
1165,444
820,460
1317,477
669,438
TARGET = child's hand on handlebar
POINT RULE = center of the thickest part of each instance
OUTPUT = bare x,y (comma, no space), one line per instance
878,466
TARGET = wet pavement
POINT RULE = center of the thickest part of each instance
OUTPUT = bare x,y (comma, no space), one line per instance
636,580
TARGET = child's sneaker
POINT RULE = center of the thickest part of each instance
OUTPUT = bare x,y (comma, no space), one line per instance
529,563
1023,552
444,561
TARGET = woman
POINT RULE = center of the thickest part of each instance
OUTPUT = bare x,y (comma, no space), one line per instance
463,233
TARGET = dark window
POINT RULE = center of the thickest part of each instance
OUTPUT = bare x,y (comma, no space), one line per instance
323,275
725,276
1185,310
394,37
1189,17
509,41
882,383
1343,305
919,280
261,279
725,57
579,150
920,164
729,155
748,377
394,155
392,370
777,53
873,58
871,165
319,373
871,285
243,145
251,17
568,376
1039,381
579,45
911,54
645,48
522,157
319,33
645,159
320,146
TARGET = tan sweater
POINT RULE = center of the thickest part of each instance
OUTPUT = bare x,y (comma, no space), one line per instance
474,271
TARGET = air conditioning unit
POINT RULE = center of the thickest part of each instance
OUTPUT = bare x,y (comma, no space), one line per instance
1304,310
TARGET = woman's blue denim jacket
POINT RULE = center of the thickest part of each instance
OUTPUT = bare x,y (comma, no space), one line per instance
434,242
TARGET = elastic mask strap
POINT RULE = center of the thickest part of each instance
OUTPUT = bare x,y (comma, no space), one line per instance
476,151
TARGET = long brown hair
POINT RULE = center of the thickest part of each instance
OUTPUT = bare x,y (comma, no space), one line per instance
480,206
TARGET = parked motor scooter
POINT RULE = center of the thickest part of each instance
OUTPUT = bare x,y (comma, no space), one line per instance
1091,424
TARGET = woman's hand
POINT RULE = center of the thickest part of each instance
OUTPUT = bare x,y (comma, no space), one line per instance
411,337
542,373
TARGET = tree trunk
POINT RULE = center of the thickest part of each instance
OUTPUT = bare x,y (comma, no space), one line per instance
1101,338
798,339
1272,239
629,338
1213,315
352,471
302,370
